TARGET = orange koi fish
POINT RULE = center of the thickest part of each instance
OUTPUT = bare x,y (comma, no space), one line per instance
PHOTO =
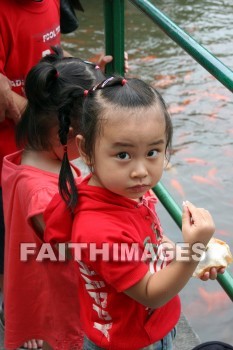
148,58
176,109
181,106
218,97
204,180
214,300
196,161
212,172
163,81
175,184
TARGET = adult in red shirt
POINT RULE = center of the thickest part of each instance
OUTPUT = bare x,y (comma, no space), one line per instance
28,29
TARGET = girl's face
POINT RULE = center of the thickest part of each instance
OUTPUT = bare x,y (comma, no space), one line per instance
130,151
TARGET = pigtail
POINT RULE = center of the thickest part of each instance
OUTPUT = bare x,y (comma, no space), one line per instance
67,186
39,86
66,183
38,90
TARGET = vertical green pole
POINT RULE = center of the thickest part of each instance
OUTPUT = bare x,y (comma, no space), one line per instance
114,35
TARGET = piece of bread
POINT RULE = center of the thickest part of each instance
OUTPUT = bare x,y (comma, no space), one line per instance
217,254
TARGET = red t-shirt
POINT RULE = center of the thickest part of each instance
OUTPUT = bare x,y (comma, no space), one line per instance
40,298
113,224
27,31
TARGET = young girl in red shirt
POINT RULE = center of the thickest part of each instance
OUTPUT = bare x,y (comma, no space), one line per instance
128,283
40,296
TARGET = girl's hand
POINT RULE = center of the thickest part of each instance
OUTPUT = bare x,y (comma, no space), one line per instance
197,225
212,273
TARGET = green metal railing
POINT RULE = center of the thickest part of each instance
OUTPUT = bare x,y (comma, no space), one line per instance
225,280
114,43
198,52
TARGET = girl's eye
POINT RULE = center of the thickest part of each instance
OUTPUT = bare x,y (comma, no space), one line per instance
123,155
152,154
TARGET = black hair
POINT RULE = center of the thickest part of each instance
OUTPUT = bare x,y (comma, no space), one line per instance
117,92
55,92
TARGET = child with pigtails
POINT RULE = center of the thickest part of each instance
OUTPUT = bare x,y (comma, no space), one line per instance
40,300
128,292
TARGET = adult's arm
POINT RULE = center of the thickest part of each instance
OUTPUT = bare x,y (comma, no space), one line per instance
8,104
21,103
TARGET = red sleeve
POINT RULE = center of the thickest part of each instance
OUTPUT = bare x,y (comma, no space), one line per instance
58,221
38,201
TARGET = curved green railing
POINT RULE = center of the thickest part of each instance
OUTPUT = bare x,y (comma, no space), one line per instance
221,72
225,280
114,43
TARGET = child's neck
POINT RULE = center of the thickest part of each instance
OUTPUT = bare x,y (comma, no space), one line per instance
43,160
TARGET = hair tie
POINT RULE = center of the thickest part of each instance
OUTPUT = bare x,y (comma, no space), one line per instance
57,74
123,82
97,67
65,148
85,93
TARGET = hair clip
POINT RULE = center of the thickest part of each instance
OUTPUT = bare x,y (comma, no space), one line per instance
65,148
105,82
85,93
113,80
97,67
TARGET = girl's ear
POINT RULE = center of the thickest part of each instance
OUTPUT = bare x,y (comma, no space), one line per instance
80,145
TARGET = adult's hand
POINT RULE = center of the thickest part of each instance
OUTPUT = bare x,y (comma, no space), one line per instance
103,61
107,59
8,108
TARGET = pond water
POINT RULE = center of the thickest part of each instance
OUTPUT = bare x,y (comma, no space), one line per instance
201,167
